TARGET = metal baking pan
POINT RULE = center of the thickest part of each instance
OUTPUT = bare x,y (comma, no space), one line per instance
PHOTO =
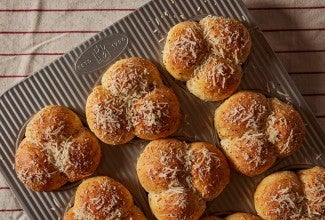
69,80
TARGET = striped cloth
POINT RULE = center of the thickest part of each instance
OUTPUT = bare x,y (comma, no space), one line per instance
34,33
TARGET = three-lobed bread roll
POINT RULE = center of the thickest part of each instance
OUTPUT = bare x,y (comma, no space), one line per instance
132,101
102,197
208,55
289,195
56,149
235,216
255,130
181,177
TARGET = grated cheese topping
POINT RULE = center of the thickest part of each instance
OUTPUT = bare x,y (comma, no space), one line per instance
176,166
207,159
286,199
316,199
286,146
108,206
109,116
219,74
186,47
226,37
251,115
153,115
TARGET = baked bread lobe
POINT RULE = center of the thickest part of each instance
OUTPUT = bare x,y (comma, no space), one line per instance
208,55
227,37
184,50
56,149
181,177
285,128
132,101
279,196
289,195
215,79
255,130
313,184
103,198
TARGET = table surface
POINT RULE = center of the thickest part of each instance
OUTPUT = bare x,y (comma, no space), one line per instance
34,33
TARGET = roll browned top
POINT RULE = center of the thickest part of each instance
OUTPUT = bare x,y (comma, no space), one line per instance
255,130
290,195
132,101
208,55
56,149
181,177
103,198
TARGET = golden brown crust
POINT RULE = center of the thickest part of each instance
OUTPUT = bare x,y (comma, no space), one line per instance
243,216
184,49
103,198
161,164
228,37
209,171
176,204
313,183
135,214
57,149
207,55
112,108
107,118
250,154
131,76
279,196
215,79
156,115
254,131
286,128
244,111
181,177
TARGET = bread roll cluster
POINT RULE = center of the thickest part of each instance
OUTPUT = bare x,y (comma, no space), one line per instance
56,149
181,177
208,55
103,198
255,130
290,195
235,216
132,101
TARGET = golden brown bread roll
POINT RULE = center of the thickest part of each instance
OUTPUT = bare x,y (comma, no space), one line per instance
207,55
313,184
132,101
286,195
228,37
103,198
56,149
254,131
181,177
